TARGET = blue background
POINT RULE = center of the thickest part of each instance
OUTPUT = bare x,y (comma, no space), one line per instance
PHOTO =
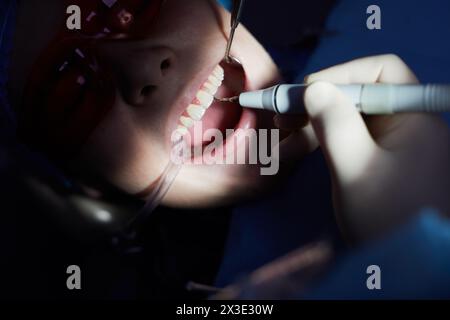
417,31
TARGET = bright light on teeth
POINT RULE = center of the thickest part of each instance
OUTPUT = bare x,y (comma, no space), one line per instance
214,80
196,112
182,130
209,87
202,101
186,121
204,98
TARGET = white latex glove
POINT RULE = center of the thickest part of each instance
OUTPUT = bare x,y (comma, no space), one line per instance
385,168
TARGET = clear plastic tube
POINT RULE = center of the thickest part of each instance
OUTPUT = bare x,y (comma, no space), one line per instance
162,186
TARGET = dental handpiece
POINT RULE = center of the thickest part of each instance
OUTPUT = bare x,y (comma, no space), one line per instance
367,98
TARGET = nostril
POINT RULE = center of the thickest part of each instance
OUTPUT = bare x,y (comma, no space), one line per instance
165,65
147,90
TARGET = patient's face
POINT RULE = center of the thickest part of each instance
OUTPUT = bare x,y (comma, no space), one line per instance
156,80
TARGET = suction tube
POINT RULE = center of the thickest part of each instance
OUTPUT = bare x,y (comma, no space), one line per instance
162,186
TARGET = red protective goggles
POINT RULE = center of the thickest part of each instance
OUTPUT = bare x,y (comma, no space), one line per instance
69,91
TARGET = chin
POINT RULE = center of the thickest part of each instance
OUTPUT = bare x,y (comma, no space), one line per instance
218,186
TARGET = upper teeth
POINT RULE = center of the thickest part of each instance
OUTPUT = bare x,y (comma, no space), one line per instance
203,100
196,112
187,121
209,87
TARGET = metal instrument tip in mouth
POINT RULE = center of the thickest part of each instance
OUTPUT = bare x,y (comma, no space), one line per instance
230,60
230,100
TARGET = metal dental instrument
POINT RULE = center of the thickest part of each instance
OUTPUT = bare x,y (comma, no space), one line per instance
232,66
235,20
368,98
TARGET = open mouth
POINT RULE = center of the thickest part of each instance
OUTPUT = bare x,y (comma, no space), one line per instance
205,113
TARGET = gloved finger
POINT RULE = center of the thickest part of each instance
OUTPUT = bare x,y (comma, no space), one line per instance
341,131
298,144
384,69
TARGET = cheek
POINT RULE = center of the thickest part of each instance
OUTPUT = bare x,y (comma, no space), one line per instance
125,152
260,67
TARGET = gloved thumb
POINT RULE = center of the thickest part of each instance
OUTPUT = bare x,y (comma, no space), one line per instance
341,131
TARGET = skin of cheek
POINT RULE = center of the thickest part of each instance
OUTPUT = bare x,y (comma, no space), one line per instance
125,160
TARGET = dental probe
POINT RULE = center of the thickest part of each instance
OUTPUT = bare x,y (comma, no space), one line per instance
368,98
235,21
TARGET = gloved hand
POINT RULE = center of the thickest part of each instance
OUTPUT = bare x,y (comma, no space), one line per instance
384,168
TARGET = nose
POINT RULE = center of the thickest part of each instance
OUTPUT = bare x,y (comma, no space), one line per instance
145,73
